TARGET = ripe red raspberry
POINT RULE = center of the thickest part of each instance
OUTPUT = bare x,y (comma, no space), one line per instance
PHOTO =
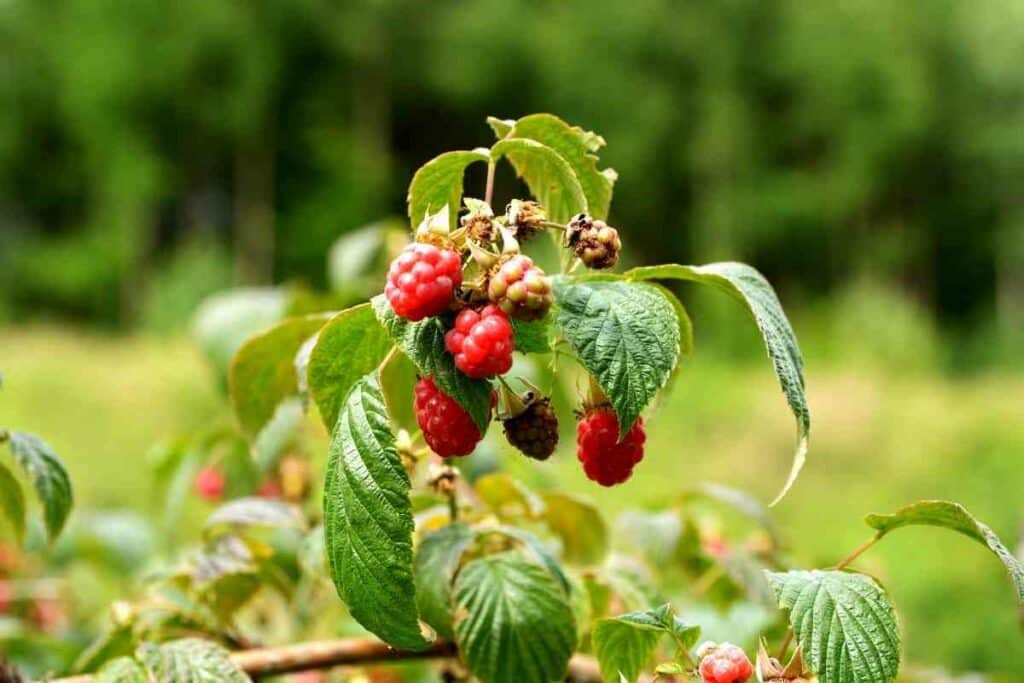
520,289
269,489
481,342
535,430
447,428
605,459
210,484
725,663
422,281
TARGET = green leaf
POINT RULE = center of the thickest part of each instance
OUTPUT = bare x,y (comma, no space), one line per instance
513,621
625,644
121,670
48,476
242,513
532,336
351,345
501,127
535,546
262,373
508,497
279,434
626,334
579,148
190,660
437,558
12,502
844,622
225,320
741,501
749,287
579,525
115,641
439,182
423,343
368,521
549,176
954,516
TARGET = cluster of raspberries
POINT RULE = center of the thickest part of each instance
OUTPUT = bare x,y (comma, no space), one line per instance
426,280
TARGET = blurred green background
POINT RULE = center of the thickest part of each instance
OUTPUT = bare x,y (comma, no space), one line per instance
867,156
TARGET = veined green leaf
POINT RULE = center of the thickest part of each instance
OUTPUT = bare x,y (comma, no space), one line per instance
48,476
368,521
437,559
549,176
749,287
423,343
844,622
12,502
626,334
348,347
439,182
535,546
190,660
513,621
625,644
953,516
532,336
263,371
579,148
122,670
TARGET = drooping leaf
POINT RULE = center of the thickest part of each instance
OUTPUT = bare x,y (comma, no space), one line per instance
750,288
348,347
12,502
279,434
579,525
549,176
844,622
262,372
579,148
190,660
48,476
626,334
535,546
423,343
439,182
949,515
437,558
122,670
242,513
624,644
368,521
513,621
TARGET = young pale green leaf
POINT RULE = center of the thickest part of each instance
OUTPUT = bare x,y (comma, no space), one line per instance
348,347
578,147
949,515
626,334
532,336
844,622
242,513
513,621
625,644
579,525
122,670
423,343
368,521
190,660
549,176
12,502
439,182
750,288
263,373
48,476
437,559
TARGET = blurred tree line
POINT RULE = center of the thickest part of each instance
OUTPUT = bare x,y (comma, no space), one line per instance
154,148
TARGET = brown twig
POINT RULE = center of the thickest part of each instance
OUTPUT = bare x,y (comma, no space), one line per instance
271,661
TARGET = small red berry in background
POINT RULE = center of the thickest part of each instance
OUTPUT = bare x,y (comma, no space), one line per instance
269,489
482,342
422,281
6,597
605,459
210,484
724,663
447,428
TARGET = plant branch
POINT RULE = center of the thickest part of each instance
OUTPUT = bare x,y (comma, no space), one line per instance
860,550
489,189
272,661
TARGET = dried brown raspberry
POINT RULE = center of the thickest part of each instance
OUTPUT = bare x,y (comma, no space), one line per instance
595,242
525,218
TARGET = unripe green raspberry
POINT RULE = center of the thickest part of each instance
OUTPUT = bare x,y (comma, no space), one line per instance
595,242
520,289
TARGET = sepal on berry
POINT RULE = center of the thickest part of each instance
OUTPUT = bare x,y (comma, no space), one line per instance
770,670
479,223
525,218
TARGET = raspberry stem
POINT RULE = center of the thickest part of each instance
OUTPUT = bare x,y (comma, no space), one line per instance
489,189
860,550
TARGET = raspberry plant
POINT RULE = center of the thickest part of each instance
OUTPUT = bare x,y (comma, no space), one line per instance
504,584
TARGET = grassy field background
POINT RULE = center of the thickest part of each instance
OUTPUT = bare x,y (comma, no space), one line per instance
884,434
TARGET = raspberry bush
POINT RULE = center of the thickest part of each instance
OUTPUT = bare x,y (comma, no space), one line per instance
434,549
